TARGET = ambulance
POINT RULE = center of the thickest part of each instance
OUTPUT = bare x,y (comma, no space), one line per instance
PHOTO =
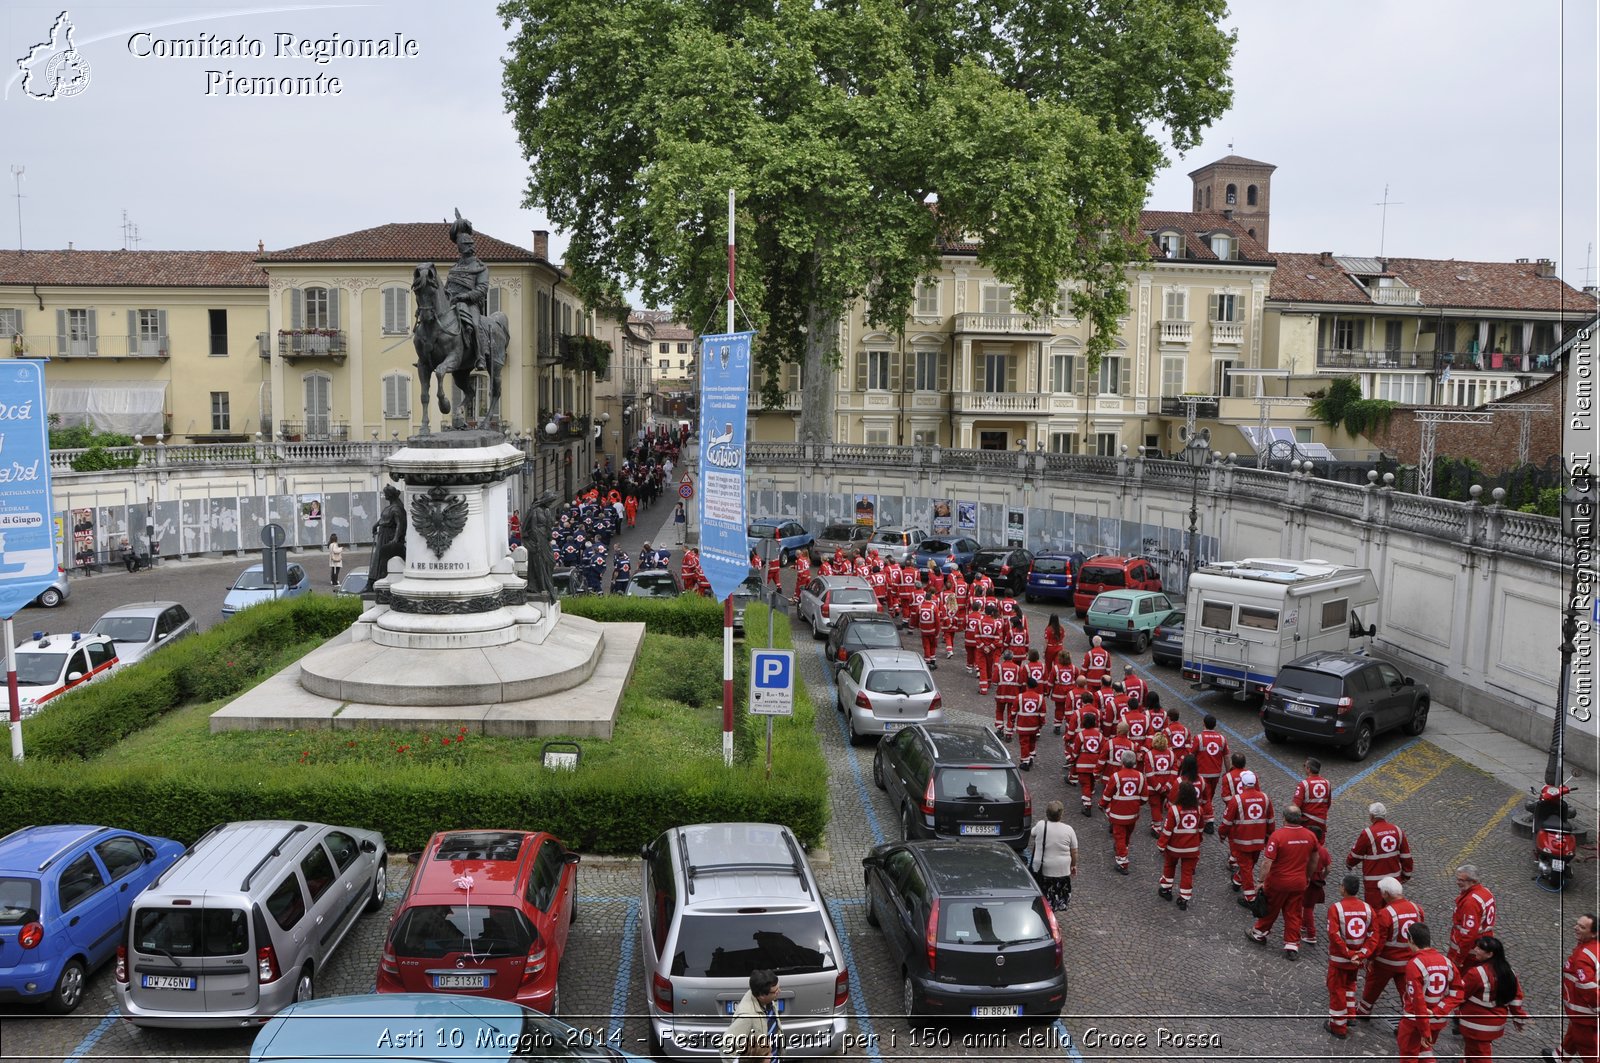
50,665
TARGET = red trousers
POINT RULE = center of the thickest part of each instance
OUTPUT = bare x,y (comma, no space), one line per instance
1205,798
1120,829
1379,975
1341,994
930,644
1183,863
1474,1049
1288,902
1158,809
1245,876
1582,1040
949,641
1409,1039
1086,781
970,644
986,658
1027,738
1060,707
1005,713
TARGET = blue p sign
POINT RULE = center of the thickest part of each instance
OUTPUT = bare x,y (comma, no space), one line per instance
772,682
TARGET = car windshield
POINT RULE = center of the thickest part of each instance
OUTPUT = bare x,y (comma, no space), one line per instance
1112,606
851,596
1293,681
39,669
19,901
355,582
191,931
734,944
1102,577
252,579
872,636
899,681
435,930
838,531
979,784
993,922
125,628
1049,566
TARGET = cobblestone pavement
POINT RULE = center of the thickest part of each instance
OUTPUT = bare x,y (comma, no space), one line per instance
1146,981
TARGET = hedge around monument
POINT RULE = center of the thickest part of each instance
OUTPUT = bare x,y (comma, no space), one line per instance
87,780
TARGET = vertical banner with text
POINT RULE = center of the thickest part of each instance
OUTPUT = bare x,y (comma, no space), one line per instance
724,405
27,552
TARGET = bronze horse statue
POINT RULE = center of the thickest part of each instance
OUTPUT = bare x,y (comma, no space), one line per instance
439,340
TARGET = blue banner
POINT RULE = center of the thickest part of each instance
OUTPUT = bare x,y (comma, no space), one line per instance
724,404
27,533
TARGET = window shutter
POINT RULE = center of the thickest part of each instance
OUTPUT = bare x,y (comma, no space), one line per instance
494,300
893,358
61,332
943,371
1011,373
94,332
1212,308
133,332
1360,335
1080,375
388,309
333,306
791,377
1125,387
161,327
861,371
297,308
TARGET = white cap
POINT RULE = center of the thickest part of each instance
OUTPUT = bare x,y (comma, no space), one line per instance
1390,886
1247,778
1377,809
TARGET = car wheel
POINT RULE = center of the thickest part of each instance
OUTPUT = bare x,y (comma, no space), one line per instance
1359,749
1089,631
50,599
872,905
838,702
877,773
1142,642
380,884
1277,738
68,993
907,823
1080,613
1029,597
1419,718
857,739
910,1000
305,987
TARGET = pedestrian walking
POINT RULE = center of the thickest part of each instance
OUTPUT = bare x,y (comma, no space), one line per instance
335,560
1351,942
755,1017
1053,855
1381,851
1491,994
1121,799
680,521
1179,840
1474,914
1312,795
1392,939
1430,990
1284,866
1248,820
1580,997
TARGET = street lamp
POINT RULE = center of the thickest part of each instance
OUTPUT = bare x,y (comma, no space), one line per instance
1196,451
1577,524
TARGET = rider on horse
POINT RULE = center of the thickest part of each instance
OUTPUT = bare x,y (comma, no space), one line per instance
467,288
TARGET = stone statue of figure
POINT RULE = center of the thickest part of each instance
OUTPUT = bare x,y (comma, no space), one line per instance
467,288
388,536
540,527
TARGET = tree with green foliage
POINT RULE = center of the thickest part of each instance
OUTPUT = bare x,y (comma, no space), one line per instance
858,135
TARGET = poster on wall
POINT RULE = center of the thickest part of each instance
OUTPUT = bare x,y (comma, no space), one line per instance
943,520
967,517
867,510
310,509
1016,527
83,537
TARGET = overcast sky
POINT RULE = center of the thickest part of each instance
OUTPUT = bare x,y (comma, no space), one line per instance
1471,112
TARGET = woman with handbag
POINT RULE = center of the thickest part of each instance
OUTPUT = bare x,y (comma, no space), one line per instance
1053,856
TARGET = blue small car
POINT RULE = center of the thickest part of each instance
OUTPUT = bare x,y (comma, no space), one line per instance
65,892
1052,576
252,587
950,553
791,536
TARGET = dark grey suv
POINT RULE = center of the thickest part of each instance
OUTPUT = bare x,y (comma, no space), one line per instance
1342,699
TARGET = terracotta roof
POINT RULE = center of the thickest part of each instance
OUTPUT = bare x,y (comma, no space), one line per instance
128,269
1194,227
408,241
1233,160
1443,283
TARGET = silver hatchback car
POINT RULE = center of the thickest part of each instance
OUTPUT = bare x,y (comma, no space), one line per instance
722,900
826,598
885,690
896,543
141,627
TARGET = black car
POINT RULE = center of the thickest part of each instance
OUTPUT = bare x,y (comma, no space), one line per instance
1007,565
951,781
968,928
1342,699
860,631
1166,641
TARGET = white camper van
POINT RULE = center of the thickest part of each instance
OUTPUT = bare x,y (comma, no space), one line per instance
1246,619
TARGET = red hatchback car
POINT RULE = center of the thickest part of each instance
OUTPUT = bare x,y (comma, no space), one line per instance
486,914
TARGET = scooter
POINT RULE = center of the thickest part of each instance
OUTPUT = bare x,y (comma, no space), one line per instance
1555,839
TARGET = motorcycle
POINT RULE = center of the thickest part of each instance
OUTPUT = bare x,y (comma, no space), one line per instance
1555,838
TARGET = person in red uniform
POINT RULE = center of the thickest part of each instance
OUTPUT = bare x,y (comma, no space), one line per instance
1137,717
1055,637
775,570
928,623
1035,667
908,585
1313,795
1016,639
1580,997
802,574
969,633
1030,721
1179,840
1248,819
1096,661
1380,851
1226,786
1396,916
950,607
1211,752
1474,914
1285,861
1061,680
1009,608
1105,701
1490,994
1007,685
988,647
1151,700
1121,799
1160,769
880,588
1351,941
1117,743
1430,989
1178,736
1084,749
1136,688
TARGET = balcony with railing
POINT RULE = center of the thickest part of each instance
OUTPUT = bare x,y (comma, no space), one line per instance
999,402
1003,324
312,343
52,345
1350,358
1227,333
1177,332
1178,407
1396,295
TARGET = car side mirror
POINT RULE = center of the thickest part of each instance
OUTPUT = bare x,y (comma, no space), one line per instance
368,845
572,858
644,852
1409,681
869,861
160,635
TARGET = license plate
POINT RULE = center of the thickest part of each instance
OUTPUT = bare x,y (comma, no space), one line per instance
996,1011
980,828
893,725
167,981
1558,865
461,981
1224,681
1299,709
729,1005
1108,633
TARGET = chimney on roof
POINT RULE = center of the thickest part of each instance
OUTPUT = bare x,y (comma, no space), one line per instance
541,243
261,247
1325,259
1592,290
1544,267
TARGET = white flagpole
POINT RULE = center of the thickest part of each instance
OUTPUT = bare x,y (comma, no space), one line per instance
727,605
11,690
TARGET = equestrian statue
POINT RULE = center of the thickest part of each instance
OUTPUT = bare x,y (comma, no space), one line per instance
455,336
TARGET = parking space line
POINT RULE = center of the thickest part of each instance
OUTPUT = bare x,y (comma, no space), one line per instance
855,765
858,995
1067,1040
1406,783
1483,832
619,988
86,1045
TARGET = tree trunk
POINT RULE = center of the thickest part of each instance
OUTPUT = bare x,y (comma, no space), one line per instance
816,377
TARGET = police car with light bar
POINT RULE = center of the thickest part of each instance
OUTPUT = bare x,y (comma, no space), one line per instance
50,665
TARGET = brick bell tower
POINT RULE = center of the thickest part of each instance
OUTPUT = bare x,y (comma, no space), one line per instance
1241,185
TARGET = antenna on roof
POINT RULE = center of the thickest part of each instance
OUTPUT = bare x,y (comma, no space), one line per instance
16,174
1383,225
130,233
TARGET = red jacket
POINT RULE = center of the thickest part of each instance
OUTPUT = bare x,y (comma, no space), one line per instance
1394,932
1292,849
1247,820
1381,851
1580,983
1211,752
989,634
1313,795
1030,710
1037,671
1123,795
1136,688
1096,662
1180,831
1007,679
1228,784
1105,703
1112,759
1161,770
1473,918
1179,738
1479,1014
1138,724
1061,683
1053,643
1430,989
928,616
1351,927
1088,746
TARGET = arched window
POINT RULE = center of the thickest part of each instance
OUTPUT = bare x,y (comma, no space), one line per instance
1208,197
1252,233
1197,199
1233,195
1250,196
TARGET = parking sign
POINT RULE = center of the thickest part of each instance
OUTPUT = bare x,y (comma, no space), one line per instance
772,682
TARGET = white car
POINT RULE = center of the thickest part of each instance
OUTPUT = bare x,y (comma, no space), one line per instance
141,627
51,665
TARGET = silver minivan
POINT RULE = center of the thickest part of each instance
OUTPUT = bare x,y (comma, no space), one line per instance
724,899
237,929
